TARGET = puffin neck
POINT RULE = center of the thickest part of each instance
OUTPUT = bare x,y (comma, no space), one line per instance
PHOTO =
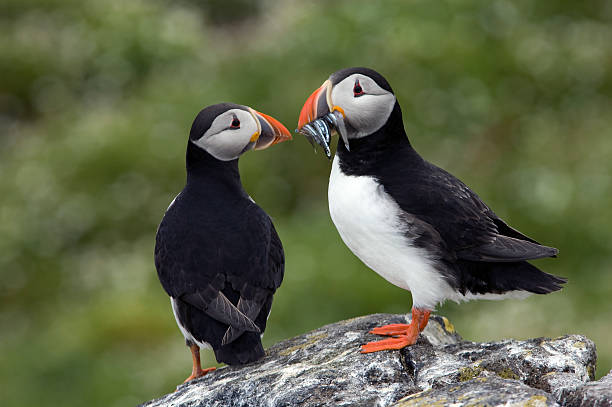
203,167
368,152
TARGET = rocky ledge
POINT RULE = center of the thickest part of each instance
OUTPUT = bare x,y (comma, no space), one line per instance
325,368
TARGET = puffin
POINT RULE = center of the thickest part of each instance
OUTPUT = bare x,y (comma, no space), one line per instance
217,253
413,223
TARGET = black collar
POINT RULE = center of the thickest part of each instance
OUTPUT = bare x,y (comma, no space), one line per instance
203,167
370,154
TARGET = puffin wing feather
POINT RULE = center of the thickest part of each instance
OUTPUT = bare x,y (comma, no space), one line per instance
255,293
216,305
507,249
465,226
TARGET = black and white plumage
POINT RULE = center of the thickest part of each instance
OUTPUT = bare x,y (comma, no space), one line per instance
413,223
217,253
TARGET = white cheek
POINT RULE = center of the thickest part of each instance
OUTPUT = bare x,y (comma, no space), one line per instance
369,113
228,144
366,113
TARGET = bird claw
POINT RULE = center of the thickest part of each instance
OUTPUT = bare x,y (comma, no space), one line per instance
388,344
199,373
391,330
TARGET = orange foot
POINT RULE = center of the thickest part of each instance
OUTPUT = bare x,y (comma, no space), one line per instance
404,334
391,330
403,329
388,344
196,370
199,373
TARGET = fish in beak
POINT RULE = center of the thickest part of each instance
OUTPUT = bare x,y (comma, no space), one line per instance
270,131
319,118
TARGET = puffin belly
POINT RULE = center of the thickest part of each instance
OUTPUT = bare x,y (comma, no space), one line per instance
367,219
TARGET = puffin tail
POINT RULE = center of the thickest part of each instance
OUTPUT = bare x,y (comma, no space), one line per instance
246,348
500,278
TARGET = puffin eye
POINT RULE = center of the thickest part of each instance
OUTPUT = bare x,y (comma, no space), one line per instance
235,123
357,90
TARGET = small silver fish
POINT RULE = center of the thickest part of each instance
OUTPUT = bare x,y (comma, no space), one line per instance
320,130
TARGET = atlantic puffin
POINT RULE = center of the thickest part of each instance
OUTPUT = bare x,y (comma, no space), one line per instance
217,253
410,221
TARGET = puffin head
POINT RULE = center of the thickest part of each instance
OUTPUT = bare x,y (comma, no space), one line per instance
227,130
356,102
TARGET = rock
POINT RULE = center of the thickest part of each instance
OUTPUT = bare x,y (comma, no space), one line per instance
482,391
594,394
560,383
325,368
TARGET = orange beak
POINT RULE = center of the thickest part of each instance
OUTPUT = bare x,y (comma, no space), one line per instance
272,131
317,104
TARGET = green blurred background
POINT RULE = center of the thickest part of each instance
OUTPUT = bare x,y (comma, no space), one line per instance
96,101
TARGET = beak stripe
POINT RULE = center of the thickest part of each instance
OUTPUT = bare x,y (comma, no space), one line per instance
317,104
270,131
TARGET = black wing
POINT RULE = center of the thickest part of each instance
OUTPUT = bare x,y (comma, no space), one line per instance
226,265
216,305
256,291
456,219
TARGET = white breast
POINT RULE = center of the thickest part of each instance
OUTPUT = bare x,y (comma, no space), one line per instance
367,219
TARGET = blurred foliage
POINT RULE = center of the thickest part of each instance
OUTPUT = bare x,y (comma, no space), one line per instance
96,101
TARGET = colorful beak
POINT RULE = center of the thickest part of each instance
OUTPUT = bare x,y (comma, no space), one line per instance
319,117
317,105
271,131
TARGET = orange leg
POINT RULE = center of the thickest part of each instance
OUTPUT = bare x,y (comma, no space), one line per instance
401,329
196,370
424,320
403,334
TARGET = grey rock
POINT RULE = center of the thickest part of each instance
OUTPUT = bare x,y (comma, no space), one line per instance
482,391
325,368
560,384
593,394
